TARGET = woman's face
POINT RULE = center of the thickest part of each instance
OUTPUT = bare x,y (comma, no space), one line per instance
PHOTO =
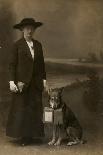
28,31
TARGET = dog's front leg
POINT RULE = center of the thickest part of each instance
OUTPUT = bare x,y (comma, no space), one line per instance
59,136
52,142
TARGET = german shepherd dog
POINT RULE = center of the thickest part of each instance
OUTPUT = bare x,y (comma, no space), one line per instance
70,129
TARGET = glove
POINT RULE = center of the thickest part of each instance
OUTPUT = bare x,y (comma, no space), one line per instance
13,87
20,86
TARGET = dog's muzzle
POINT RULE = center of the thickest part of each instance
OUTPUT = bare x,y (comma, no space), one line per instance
54,104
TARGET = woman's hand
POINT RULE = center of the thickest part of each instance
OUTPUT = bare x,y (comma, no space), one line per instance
20,86
45,85
13,87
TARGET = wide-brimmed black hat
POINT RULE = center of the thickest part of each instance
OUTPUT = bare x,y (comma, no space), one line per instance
27,21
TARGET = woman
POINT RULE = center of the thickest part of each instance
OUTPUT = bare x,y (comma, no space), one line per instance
27,81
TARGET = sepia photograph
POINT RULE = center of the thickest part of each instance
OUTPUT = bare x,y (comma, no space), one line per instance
51,77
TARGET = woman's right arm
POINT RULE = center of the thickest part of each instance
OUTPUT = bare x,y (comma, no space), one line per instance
13,63
12,68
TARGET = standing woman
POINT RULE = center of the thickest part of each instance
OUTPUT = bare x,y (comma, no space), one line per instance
27,81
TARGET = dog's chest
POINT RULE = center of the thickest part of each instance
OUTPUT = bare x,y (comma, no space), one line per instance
53,116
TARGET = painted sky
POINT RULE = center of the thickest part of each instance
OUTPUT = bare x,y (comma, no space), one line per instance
71,29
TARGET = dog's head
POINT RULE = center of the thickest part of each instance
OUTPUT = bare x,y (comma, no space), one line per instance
55,97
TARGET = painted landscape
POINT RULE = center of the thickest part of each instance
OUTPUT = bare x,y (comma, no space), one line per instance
62,72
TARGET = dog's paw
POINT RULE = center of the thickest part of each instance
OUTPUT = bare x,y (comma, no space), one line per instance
83,141
73,143
70,143
52,142
58,143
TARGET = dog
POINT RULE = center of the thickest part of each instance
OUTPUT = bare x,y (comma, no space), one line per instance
70,128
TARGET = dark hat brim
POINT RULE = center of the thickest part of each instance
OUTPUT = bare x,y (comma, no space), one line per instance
21,25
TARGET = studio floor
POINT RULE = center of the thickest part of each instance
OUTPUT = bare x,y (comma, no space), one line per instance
94,146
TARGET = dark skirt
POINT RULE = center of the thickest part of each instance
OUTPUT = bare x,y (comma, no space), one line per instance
26,113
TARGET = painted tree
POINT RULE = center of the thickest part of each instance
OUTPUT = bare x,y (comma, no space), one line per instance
91,95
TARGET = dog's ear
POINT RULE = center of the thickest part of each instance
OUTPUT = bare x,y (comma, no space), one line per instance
61,90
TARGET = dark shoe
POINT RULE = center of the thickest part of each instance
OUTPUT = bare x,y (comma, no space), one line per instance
26,141
37,141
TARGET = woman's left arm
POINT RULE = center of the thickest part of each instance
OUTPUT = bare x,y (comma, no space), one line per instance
43,65
43,70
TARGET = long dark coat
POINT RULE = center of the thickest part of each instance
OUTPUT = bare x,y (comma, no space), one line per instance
25,117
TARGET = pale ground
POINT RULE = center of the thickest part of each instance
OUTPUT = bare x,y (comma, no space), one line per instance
8,148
